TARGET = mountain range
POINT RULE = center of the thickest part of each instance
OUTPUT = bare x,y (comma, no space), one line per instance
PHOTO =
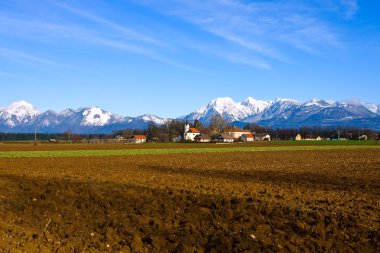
21,116
288,113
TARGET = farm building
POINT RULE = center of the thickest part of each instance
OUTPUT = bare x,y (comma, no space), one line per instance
138,138
262,137
191,133
225,138
202,138
247,137
299,138
178,138
235,132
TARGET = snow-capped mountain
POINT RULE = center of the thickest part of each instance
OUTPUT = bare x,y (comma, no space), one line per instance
24,117
17,113
290,113
151,118
279,108
256,106
319,113
280,113
372,107
228,109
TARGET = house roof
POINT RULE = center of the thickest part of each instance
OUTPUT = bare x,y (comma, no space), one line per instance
202,137
193,130
226,136
248,135
261,134
234,129
139,136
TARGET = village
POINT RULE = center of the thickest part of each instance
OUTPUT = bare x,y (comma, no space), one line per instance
190,134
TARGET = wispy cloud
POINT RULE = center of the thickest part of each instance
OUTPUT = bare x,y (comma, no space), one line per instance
121,38
22,56
254,33
26,57
140,50
231,56
344,8
351,7
8,75
263,28
124,30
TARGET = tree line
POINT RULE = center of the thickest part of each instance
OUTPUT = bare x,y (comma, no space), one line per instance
173,128
349,133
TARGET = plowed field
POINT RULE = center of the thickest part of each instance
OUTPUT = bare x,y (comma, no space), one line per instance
282,201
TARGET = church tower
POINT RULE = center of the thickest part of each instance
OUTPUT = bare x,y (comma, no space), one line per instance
187,128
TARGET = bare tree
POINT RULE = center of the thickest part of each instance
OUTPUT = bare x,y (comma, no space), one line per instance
217,123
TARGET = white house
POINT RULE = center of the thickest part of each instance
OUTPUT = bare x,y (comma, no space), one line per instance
138,138
202,138
247,137
191,133
262,137
235,132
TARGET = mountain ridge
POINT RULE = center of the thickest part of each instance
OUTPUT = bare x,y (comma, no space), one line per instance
21,116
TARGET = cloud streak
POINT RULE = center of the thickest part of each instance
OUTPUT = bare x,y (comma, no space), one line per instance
258,34
140,50
22,56
263,28
123,39
130,33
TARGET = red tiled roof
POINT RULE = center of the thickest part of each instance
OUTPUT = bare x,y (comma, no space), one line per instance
249,135
193,130
139,136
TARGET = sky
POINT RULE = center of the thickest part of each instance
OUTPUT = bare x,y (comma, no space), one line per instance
167,58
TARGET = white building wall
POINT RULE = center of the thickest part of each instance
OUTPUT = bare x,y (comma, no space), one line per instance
190,136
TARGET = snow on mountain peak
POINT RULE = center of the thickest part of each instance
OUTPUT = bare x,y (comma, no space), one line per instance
256,106
222,100
22,108
95,116
372,107
21,103
287,100
351,102
221,104
153,118
317,102
229,109
67,113
18,112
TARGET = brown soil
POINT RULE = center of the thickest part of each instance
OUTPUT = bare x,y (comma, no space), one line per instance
309,201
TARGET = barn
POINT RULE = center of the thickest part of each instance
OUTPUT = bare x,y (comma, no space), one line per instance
138,138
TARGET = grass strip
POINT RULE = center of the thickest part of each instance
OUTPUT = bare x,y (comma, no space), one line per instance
73,153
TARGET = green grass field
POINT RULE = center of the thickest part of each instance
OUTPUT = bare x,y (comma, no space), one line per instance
111,152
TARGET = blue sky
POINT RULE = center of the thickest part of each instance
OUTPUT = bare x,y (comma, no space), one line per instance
169,57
